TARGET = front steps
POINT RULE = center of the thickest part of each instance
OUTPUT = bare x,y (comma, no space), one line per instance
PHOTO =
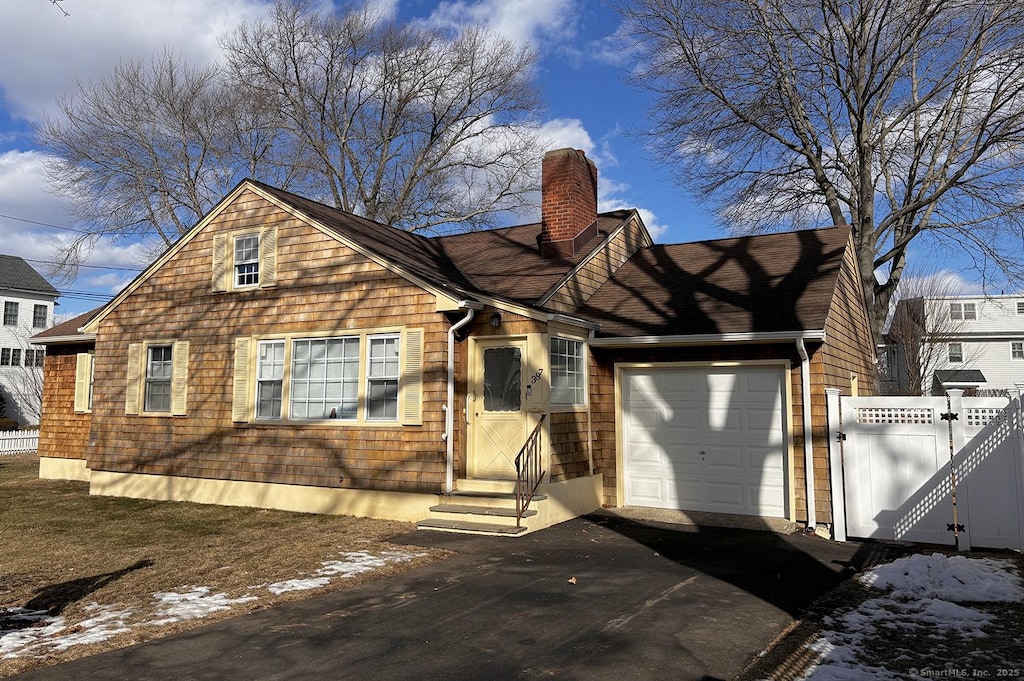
482,507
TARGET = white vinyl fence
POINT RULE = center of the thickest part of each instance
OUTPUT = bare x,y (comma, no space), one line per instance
17,441
895,461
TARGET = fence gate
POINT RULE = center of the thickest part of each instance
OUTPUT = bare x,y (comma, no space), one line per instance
891,469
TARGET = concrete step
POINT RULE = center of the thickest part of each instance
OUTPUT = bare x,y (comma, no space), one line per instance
467,494
480,510
468,527
485,485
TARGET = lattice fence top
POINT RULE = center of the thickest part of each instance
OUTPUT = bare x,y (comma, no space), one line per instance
887,415
979,417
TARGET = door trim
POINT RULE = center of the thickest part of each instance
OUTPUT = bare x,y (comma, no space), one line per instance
787,416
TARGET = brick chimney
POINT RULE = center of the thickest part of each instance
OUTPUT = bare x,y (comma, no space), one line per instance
568,212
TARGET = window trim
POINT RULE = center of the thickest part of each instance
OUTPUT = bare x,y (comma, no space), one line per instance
1014,358
961,312
397,337
1020,307
138,368
236,263
410,393
585,373
11,305
147,380
223,270
960,354
35,316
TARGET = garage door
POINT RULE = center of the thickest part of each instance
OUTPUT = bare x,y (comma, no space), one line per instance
705,439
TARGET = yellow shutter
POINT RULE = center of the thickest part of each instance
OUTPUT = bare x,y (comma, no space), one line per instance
83,370
268,257
133,389
240,393
220,262
179,378
412,377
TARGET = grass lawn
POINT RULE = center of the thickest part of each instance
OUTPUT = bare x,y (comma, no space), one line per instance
76,556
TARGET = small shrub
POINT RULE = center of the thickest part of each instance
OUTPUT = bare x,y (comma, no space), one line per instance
8,424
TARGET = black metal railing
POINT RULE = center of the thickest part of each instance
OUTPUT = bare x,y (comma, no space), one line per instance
528,471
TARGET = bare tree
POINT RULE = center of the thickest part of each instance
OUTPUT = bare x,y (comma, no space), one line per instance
920,332
147,151
410,127
902,118
405,125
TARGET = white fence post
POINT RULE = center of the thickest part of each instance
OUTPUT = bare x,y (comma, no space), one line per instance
835,459
962,503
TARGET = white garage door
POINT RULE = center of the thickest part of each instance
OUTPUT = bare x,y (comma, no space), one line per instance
705,439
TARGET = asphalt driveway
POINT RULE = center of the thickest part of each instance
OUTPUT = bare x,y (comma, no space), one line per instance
594,598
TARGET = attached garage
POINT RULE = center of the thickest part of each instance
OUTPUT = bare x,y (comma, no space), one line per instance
705,438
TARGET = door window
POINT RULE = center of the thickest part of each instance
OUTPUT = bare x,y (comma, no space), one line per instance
502,379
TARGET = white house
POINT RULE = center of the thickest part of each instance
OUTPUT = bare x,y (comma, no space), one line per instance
27,301
970,342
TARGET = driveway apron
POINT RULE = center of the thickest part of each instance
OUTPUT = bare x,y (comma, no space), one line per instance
594,598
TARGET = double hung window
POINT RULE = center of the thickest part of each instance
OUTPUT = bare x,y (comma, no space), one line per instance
158,378
247,260
568,372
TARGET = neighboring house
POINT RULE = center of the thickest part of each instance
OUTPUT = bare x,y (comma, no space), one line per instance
27,301
974,343
286,354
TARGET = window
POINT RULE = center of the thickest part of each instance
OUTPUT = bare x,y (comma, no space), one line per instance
367,376
325,378
962,311
382,379
10,313
568,372
40,357
30,357
247,260
16,357
1020,307
956,352
39,316
158,378
5,357
1016,349
244,260
269,379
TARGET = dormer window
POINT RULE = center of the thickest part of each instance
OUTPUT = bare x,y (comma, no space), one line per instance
962,312
245,260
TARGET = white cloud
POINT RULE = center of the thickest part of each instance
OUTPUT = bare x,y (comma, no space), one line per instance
43,52
524,22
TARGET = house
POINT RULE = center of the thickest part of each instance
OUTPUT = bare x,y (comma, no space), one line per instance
286,354
974,343
27,300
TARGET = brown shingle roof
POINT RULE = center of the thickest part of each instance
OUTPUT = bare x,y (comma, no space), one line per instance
774,282
505,263
65,329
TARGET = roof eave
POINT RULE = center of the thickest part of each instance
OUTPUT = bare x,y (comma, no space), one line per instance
710,338
65,340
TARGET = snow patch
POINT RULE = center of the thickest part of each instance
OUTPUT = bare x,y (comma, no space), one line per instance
199,602
922,593
951,578
349,564
46,634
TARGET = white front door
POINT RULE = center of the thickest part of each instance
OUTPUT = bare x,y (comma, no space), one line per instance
498,418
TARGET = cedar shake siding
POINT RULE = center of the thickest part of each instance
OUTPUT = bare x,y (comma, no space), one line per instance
321,287
63,432
570,457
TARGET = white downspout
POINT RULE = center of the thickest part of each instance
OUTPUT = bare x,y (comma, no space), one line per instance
805,403
449,407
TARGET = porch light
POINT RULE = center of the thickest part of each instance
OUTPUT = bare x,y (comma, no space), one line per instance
495,320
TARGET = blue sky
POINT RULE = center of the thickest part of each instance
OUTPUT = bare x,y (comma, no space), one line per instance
587,104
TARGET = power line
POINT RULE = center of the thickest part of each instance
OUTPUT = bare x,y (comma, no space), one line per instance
93,267
43,224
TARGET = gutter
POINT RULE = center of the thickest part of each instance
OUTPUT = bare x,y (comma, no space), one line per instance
449,417
711,338
805,406
64,340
